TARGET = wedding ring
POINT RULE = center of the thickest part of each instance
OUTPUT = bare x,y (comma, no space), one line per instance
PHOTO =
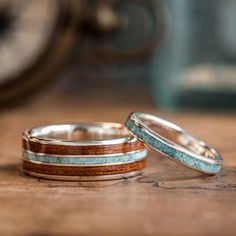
174,142
86,151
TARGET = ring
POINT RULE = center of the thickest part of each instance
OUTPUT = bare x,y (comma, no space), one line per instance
86,151
174,142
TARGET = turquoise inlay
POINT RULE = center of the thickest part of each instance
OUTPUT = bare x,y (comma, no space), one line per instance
124,158
178,155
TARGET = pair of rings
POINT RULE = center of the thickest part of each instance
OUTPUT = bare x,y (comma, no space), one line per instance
102,151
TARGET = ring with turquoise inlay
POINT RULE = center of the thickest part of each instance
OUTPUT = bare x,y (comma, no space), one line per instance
78,151
174,142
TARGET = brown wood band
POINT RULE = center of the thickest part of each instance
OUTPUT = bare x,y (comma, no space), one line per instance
82,150
83,171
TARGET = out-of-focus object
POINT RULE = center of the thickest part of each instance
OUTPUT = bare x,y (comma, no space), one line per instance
126,30
197,65
35,37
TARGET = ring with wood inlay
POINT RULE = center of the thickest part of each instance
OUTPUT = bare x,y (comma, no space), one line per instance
80,150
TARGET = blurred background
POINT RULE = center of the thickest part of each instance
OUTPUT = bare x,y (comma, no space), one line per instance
180,53
98,60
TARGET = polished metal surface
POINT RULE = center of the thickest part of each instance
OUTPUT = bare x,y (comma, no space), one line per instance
83,134
82,178
84,155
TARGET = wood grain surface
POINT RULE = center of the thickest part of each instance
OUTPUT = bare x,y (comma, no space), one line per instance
81,150
167,199
50,169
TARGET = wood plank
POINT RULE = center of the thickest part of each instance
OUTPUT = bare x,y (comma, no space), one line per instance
167,199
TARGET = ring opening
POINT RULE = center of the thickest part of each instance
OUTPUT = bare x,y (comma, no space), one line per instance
173,133
81,132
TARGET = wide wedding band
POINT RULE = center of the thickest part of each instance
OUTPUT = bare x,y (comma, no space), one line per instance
85,151
174,142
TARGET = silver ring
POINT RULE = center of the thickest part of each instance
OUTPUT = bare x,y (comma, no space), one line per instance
84,149
174,142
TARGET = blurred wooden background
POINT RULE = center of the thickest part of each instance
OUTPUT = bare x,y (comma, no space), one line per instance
166,200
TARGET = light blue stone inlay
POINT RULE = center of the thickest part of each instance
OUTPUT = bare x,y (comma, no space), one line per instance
182,157
123,158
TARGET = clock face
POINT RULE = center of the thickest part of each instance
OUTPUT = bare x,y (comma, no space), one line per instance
26,27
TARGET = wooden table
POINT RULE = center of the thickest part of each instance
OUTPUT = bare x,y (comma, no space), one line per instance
166,200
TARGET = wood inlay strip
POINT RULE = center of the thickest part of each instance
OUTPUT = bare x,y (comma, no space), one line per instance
82,150
83,171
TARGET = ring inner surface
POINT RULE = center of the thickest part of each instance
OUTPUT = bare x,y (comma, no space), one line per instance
173,133
89,132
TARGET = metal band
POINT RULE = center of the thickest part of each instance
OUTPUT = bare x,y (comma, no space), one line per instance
83,178
174,142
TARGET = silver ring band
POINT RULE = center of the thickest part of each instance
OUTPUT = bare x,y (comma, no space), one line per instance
174,142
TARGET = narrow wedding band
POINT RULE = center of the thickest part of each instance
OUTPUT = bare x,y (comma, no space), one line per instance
174,142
